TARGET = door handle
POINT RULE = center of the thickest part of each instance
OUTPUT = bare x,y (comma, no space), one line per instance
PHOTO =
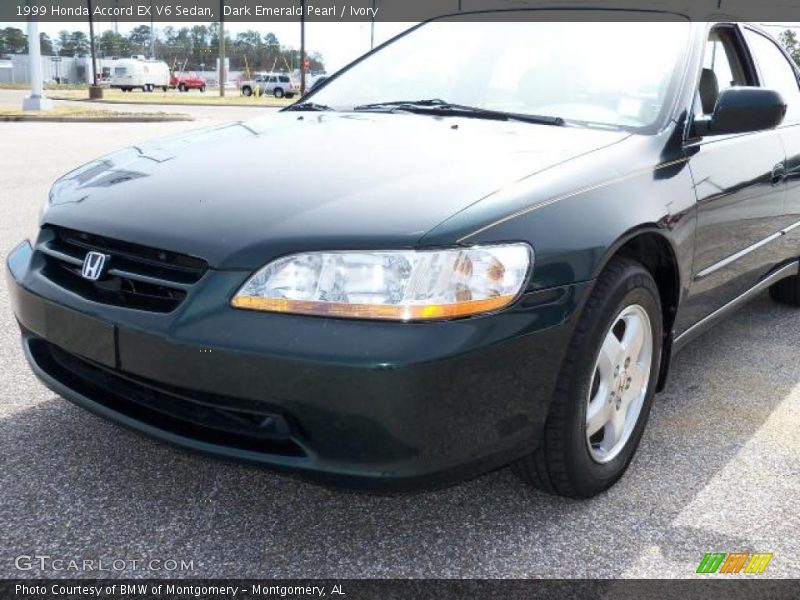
778,173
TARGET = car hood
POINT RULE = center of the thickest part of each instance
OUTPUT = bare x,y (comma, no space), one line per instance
240,194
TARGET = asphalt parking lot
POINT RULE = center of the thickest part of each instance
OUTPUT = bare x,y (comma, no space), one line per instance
718,469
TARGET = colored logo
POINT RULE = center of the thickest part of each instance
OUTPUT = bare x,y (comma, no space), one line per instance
735,562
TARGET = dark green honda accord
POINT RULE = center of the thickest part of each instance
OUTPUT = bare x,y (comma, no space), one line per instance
427,269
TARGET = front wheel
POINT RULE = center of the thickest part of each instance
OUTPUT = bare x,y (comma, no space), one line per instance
278,92
202,88
247,90
605,388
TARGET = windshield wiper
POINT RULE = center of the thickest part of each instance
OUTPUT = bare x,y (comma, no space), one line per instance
402,103
312,106
437,107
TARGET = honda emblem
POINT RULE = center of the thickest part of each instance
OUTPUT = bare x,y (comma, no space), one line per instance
94,266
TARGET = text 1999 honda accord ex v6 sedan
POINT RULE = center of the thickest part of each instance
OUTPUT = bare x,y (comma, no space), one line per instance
427,270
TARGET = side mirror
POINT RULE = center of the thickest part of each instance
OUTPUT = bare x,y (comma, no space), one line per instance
742,110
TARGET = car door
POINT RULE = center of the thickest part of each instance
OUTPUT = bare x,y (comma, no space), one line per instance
739,183
776,70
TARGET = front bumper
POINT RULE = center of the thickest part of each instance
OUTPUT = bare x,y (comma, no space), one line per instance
375,404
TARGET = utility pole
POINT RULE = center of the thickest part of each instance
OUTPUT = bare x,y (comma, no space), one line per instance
95,91
222,75
303,47
36,100
152,33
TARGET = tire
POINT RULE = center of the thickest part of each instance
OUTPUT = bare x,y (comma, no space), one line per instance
247,90
182,87
278,93
786,291
567,461
164,88
202,89
144,88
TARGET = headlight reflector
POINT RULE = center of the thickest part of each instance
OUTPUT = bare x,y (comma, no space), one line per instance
406,285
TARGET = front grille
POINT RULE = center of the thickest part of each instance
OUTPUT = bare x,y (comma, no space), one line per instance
210,418
138,276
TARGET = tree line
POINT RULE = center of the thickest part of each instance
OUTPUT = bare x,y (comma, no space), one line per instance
789,39
186,48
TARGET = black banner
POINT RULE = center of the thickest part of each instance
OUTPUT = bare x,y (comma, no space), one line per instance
392,10
393,589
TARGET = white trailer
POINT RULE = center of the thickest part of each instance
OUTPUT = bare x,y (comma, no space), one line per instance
139,73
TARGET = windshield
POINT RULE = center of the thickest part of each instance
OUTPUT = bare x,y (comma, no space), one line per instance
605,73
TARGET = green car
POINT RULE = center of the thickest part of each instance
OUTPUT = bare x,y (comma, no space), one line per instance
430,268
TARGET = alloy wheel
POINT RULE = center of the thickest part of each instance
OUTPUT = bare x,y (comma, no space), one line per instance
619,386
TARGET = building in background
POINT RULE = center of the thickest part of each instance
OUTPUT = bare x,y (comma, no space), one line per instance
62,69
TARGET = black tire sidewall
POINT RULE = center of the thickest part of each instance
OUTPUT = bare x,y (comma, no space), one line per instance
635,287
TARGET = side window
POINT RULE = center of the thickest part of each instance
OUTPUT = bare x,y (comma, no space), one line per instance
776,71
722,69
273,79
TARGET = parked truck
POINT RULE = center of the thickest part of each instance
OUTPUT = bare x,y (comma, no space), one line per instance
184,82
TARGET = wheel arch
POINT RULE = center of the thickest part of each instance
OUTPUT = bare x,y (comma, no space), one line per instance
651,246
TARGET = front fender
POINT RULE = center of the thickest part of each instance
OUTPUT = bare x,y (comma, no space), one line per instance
578,213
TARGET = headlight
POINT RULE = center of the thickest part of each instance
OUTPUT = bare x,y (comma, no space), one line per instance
404,285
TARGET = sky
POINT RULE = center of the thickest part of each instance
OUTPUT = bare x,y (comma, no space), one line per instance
339,43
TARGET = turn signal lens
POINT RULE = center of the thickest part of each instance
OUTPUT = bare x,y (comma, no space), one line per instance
403,285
